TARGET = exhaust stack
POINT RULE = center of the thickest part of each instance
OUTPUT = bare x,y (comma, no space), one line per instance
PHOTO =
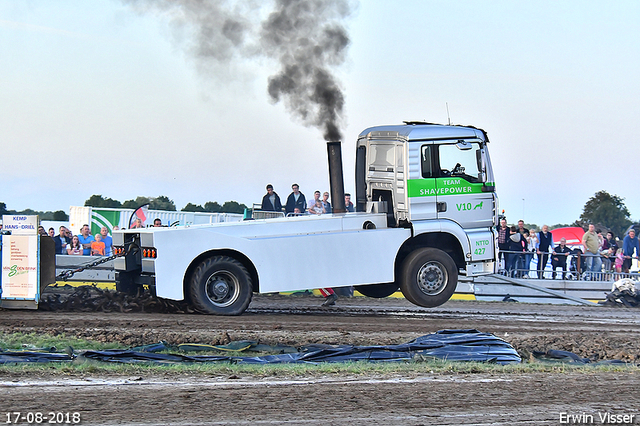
336,180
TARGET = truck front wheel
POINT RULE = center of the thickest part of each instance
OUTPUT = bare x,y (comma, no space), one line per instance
220,285
429,277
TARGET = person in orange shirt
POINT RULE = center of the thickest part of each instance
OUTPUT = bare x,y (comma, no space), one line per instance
97,246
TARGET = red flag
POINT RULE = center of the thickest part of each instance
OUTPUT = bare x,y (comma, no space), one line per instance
139,217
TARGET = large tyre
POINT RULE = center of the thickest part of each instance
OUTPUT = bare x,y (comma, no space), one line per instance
220,285
378,290
429,277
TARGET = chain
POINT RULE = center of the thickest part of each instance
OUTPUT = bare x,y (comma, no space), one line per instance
64,275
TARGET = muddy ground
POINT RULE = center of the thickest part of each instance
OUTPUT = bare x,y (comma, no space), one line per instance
404,399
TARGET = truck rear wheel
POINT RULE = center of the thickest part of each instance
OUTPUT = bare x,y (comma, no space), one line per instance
220,285
429,277
378,290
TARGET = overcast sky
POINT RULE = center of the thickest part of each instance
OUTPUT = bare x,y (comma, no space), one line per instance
106,97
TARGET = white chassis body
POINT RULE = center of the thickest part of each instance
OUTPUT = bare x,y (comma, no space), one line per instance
289,254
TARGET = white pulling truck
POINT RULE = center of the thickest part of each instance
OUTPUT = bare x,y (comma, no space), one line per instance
425,213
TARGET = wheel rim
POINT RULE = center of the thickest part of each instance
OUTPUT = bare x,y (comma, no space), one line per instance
222,288
432,278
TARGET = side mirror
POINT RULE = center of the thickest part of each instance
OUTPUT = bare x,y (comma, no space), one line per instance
482,167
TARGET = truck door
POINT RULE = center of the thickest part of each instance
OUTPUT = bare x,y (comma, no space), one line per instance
463,195
422,182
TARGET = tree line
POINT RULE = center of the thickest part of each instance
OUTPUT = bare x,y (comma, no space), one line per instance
164,203
607,212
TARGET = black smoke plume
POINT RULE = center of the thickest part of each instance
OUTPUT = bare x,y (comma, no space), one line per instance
307,38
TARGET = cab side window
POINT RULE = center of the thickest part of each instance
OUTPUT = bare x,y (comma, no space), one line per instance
456,162
426,160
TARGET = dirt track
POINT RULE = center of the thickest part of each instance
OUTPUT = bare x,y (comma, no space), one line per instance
532,398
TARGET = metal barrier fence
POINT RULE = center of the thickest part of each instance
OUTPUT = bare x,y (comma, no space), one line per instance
258,213
263,214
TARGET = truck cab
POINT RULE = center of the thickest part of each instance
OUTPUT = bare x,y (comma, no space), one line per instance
436,180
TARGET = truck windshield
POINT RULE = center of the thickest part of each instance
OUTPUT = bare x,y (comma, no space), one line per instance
459,162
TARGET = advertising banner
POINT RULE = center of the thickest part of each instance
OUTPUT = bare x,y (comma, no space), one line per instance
20,269
20,266
20,225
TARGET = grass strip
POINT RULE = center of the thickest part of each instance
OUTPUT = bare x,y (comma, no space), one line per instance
293,371
34,341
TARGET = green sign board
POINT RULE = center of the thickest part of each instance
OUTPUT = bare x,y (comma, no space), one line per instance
442,186
100,218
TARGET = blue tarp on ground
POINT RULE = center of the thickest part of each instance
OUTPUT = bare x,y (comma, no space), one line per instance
10,357
452,345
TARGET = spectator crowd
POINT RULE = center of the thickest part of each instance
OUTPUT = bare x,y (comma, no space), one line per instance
297,203
599,254
517,246
83,244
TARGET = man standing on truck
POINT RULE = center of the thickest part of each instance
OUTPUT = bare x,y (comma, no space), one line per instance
316,198
271,200
325,202
347,203
295,200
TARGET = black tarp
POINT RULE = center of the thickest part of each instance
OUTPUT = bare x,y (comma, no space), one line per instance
10,357
553,355
452,345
